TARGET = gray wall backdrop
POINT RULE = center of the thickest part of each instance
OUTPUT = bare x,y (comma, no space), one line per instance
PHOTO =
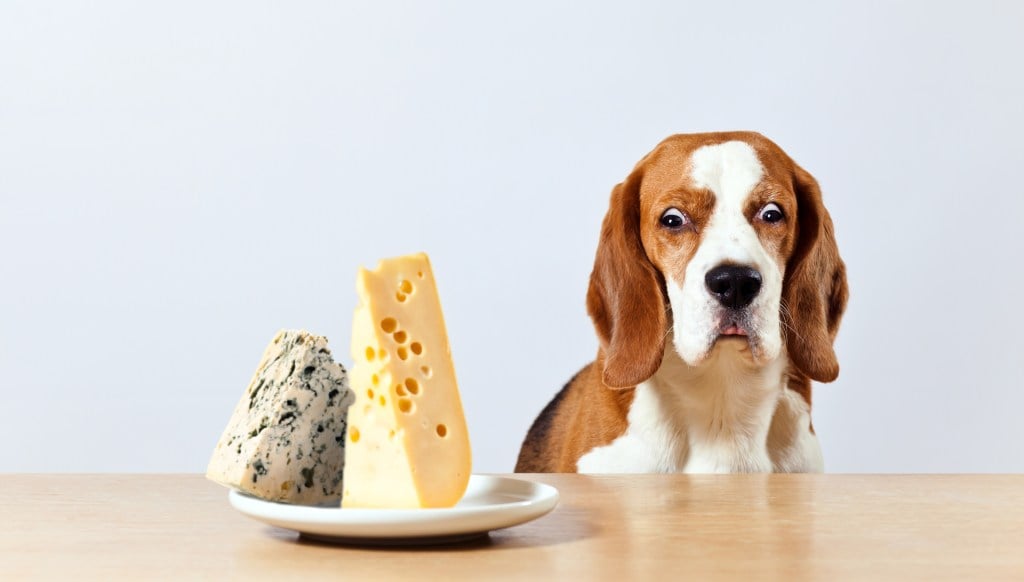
178,180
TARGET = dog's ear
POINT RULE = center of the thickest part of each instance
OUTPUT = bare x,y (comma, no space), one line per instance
814,292
626,297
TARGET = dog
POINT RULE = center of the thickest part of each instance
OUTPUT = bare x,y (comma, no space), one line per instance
716,294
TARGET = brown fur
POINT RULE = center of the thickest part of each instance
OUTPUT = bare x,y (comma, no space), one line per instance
629,307
575,434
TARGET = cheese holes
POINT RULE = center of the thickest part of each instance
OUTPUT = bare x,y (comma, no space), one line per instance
401,336
400,390
370,353
412,386
403,354
383,402
369,394
426,371
419,274
442,430
405,405
388,324
404,290
375,379
416,348
353,434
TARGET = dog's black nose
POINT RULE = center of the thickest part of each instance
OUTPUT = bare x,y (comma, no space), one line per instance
732,285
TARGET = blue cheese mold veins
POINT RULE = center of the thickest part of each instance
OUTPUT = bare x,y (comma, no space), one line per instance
285,440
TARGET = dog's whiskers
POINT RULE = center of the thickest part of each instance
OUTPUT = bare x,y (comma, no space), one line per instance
785,317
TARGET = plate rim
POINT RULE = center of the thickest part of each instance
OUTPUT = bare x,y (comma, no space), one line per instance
369,524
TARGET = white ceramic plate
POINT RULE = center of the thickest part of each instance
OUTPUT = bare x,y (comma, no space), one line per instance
489,503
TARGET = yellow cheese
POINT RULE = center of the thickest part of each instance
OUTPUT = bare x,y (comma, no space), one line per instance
407,440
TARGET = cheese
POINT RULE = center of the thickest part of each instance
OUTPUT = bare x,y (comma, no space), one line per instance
407,442
286,438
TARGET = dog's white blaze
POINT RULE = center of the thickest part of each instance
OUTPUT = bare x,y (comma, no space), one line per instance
730,170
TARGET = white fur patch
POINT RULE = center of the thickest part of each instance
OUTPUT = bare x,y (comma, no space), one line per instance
729,416
730,170
791,444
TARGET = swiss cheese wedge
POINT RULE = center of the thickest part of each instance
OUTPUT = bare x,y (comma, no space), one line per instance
407,443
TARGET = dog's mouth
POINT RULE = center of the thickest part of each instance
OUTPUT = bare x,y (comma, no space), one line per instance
738,333
732,330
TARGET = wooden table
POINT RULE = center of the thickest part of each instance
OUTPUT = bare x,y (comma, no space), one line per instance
824,527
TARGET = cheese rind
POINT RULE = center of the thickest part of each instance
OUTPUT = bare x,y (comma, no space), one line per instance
285,440
408,444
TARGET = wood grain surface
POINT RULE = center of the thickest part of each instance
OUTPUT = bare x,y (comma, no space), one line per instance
818,527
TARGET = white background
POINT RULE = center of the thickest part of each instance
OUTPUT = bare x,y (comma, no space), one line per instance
179,180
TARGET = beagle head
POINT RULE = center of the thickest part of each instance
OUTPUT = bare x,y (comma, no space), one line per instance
723,240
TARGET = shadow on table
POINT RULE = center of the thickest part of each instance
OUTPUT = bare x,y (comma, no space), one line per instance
563,525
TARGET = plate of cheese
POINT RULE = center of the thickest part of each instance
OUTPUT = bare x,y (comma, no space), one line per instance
489,503
377,452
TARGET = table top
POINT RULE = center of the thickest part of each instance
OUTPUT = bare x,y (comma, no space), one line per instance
605,527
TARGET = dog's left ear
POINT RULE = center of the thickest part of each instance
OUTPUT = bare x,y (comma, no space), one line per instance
815,289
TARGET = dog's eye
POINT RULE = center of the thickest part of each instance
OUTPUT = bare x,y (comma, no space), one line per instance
673,218
771,213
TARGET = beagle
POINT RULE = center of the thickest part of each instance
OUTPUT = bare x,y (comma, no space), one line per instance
716,294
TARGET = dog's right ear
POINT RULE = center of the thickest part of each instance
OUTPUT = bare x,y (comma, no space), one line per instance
625,298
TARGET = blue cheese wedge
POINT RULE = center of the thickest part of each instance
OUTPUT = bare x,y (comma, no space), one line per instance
286,439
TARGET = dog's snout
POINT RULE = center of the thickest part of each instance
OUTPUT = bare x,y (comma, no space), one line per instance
734,286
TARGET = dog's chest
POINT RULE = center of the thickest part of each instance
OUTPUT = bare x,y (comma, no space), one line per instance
722,425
